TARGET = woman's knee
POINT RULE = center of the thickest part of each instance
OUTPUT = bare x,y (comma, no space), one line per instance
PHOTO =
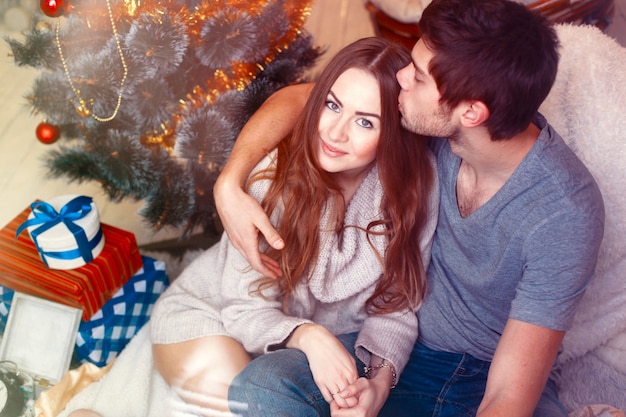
171,362
200,371
211,358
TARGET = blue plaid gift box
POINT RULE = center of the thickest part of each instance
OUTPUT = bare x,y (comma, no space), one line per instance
6,296
109,330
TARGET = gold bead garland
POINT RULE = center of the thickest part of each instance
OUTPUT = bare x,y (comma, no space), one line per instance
83,108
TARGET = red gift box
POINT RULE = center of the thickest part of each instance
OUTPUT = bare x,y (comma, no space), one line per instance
88,287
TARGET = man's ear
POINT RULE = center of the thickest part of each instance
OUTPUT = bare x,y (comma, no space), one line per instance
474,113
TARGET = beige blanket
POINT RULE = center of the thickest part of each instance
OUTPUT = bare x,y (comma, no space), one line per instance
131,388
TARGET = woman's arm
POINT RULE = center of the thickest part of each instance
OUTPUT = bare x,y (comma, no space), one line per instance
241,216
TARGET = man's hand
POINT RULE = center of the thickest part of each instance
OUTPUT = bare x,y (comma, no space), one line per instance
243,219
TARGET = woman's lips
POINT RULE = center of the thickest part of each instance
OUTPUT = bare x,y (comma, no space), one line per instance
332,151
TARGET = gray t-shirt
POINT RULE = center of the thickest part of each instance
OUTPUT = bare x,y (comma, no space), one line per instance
527,254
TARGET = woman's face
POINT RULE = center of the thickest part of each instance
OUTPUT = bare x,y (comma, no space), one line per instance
349,126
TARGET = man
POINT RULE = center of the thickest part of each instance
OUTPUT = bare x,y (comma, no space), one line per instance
520,224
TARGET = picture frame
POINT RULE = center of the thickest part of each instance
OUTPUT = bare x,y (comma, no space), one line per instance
40,336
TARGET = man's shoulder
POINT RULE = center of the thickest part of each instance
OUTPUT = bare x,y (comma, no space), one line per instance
560,159
565,178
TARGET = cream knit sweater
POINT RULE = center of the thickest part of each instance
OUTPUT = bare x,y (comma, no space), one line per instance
212,297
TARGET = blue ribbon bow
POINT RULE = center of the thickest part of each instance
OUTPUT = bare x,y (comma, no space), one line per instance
47,217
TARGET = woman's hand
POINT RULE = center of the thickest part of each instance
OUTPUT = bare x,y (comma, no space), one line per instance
243,218
364,398
332,366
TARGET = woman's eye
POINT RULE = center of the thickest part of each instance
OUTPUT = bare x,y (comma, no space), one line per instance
332,105
365,123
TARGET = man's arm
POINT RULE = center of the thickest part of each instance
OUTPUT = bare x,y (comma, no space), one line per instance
520,368
241,215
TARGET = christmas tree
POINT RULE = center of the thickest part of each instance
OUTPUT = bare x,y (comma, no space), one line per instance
148,96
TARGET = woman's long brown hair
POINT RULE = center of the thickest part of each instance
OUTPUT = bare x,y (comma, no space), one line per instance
300,188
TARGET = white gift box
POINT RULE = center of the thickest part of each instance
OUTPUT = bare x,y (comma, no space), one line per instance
66,231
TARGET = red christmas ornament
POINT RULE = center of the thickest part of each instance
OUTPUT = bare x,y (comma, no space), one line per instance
53,8
48,133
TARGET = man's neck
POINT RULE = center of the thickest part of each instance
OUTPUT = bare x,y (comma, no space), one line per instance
487,165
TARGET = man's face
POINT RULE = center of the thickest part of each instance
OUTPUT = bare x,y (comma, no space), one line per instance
419,97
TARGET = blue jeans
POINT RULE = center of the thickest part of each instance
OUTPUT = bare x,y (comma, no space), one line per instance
433,383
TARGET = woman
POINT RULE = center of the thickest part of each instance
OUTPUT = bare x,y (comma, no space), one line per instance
357,243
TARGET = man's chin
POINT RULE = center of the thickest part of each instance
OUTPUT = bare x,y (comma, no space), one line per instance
408,125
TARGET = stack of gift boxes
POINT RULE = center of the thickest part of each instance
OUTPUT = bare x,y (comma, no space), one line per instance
59,251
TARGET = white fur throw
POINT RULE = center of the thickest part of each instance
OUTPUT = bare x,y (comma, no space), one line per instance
587,106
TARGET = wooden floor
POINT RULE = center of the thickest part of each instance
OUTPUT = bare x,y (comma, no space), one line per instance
333,23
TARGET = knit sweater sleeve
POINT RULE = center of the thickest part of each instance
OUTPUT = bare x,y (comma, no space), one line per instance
256,321
389,336
392,336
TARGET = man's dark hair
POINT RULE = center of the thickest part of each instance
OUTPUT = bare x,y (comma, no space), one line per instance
495,51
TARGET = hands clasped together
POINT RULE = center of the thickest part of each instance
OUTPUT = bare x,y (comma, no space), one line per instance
335,373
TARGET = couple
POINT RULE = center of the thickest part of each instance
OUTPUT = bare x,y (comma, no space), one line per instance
519,226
